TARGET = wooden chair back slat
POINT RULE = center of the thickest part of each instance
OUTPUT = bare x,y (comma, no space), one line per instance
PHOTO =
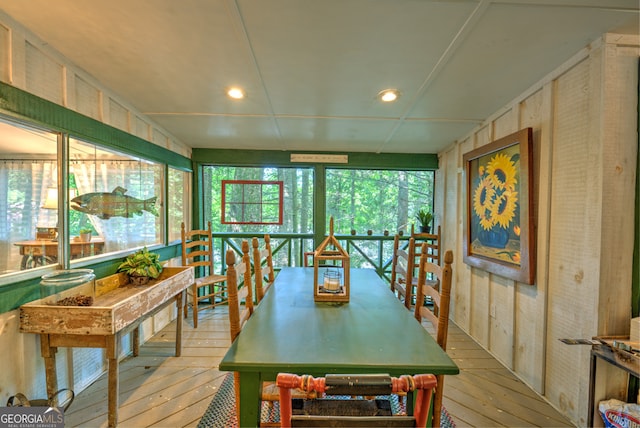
197,263
197,252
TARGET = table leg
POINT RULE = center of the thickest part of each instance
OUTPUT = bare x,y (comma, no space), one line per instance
135,338
49,354
179,319
113,346
249,399
592,383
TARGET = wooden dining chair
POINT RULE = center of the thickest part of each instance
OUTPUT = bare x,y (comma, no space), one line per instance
433,255
360,410
308,255
240,290
409,258
433,244
197,251
264,274
263,266
402,270
437,313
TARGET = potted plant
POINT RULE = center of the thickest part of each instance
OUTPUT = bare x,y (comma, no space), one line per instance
85,235
424,217
141,266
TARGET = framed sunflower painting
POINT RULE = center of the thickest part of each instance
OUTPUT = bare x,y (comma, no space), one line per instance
498,224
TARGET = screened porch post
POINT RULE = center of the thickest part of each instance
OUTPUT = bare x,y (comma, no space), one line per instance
319,204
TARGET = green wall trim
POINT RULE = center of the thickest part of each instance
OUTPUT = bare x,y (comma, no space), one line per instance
33,109
406,161
197,209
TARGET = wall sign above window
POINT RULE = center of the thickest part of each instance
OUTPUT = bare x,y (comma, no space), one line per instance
252,202
319,158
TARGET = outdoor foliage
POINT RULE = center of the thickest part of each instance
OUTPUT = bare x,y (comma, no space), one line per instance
357,199
298,198
377,200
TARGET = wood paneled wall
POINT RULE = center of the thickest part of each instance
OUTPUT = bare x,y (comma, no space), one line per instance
28,63
584,120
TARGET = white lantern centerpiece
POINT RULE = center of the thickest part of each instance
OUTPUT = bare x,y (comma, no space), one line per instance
332,261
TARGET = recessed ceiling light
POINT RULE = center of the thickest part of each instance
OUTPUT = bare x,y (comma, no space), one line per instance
236,93
388,95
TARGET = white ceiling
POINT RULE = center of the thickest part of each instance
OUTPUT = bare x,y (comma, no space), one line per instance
312,68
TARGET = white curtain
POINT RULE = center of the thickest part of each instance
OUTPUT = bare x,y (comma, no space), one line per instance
23,189
85,178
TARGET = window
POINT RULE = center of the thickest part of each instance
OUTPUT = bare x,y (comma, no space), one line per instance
251,202
117,196
376,200
359,199
28,197
43,171
179,202
297,199
115,201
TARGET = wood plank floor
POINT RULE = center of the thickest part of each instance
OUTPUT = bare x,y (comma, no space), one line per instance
160,390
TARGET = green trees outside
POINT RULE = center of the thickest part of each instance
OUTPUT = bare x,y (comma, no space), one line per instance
297,203
358,199
376,200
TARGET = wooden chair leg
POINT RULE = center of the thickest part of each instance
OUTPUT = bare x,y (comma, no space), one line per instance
285,407
236,383
195,306
437,401
185,307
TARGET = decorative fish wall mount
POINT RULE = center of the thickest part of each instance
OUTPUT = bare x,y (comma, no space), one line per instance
105,205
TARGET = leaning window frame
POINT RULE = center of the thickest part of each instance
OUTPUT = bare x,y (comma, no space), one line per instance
245,200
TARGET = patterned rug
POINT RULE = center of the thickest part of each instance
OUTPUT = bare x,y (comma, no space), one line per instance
221,412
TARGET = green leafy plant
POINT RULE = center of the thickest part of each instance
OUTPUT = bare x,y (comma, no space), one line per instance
82,231
142,263
425,217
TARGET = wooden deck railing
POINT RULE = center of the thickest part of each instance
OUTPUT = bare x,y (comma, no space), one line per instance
366,251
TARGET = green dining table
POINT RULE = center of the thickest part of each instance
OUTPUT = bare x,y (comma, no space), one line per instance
289,332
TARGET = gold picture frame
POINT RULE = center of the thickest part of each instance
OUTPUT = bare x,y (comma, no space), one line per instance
498,224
